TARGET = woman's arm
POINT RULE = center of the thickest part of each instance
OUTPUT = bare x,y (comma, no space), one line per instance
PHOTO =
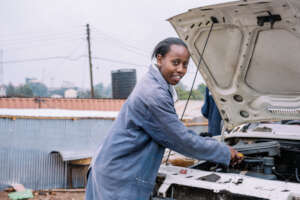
166,129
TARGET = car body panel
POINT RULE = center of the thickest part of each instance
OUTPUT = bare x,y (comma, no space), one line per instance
233,183
250,64
267,131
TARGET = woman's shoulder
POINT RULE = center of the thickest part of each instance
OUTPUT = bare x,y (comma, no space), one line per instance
149,84
148,89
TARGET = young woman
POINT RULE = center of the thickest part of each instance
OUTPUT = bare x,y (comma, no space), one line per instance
126,165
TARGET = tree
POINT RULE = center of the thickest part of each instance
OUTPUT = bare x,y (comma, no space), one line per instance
183,93
108,92
39,89
102,92
201,87
19,91
99,90
10,90
84,94
24,91
196,95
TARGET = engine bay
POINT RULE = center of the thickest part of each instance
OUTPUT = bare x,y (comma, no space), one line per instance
270,168
263,158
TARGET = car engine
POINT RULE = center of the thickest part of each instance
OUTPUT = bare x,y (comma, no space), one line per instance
263,158
269,155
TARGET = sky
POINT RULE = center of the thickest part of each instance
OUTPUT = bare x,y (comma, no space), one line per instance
46,39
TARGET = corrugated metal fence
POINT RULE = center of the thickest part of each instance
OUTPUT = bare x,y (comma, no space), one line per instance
35,169
25,146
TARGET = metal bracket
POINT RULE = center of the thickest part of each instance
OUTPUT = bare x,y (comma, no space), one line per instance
261,20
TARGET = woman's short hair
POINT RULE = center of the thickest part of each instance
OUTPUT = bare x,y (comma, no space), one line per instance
163,47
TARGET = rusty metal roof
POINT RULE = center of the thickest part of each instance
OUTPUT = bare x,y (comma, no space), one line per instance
69,104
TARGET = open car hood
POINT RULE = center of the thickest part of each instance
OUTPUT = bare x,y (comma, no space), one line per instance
251,63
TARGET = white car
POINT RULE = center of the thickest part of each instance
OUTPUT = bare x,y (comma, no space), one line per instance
249,55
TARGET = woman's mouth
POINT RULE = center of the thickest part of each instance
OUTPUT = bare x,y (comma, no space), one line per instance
176,78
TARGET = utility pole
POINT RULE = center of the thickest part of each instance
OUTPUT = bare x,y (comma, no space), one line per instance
90,59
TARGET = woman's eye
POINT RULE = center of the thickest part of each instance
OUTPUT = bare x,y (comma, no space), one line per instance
175,62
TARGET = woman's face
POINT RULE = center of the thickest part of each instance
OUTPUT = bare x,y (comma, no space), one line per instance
173,65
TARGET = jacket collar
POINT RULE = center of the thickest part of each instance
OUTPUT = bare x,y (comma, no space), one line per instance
158,77
161,80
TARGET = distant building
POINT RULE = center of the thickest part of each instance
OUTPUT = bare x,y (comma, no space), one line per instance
70,93
31,80
2,91
56,96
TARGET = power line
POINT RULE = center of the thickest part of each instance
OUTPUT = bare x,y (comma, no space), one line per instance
75,48
118,40
43,59
125,48
123,45
77,58
65,43
118,61
40,37
30,34
40,41
71,59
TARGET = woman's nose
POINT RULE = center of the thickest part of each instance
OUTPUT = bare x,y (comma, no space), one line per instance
181,69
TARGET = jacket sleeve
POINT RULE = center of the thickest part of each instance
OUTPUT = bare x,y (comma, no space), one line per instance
166,129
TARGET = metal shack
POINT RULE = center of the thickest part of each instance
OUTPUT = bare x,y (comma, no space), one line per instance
49,148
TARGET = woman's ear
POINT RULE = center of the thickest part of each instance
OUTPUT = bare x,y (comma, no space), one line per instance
159,59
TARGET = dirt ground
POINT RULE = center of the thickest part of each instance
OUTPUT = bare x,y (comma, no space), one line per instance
50,195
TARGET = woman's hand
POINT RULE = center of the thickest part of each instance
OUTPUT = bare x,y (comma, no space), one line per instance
235,156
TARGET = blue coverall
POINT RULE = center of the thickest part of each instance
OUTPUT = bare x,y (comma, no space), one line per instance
126,165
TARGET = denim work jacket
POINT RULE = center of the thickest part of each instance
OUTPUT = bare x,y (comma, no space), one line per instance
211,112
126,165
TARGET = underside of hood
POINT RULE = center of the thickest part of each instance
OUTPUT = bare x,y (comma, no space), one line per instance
251,63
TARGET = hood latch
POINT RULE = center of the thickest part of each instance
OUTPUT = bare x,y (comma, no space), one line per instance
269,18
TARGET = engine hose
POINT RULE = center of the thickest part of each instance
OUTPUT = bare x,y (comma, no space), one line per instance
278,174
297,175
